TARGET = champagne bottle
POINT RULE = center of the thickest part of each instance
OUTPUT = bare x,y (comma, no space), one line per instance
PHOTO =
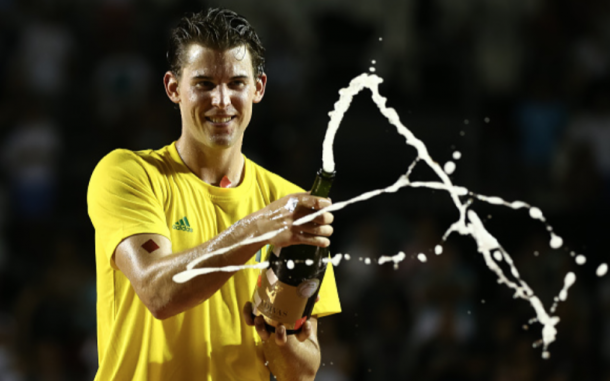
286,291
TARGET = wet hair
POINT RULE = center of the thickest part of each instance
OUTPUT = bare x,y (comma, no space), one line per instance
218,29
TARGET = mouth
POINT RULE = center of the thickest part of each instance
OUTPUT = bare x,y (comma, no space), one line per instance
220,120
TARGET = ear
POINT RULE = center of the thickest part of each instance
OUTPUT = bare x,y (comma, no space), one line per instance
170,82
261,84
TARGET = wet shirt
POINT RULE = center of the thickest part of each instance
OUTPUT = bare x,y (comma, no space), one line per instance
155,192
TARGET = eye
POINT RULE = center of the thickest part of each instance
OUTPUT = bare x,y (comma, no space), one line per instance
205,85
238,83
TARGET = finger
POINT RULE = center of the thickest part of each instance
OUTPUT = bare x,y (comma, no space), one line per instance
315,229
305,332
280,335
310,239
325,218
247,313
312,202
259,324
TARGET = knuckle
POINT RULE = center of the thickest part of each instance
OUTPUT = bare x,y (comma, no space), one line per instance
319,203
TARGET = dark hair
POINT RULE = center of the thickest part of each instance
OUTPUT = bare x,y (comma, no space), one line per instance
219,29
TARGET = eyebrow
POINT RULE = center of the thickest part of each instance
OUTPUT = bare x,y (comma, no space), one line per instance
208,78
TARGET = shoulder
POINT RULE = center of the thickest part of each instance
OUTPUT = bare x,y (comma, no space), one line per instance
134,163
276,185
119,158
123,170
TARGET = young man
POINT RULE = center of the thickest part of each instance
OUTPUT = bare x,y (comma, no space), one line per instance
156,211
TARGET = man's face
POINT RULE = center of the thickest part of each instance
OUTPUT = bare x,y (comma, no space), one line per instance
215,93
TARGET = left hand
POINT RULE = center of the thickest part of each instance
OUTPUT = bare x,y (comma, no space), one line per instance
281,338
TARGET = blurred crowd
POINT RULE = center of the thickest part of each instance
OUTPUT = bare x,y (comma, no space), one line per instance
520,87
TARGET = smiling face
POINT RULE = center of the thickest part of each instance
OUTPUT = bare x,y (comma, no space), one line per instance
215,92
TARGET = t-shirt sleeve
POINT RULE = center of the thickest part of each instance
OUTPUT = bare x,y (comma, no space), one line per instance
329,297
122,202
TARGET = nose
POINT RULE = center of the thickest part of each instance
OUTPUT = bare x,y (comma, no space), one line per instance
220,97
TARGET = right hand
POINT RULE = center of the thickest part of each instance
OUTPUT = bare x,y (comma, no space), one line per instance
283,212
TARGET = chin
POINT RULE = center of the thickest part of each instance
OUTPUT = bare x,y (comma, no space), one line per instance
222,141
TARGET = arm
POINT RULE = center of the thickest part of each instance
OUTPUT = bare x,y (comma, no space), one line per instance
290,358
150,271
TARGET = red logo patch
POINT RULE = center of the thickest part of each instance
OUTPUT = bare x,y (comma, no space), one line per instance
259,281
150,246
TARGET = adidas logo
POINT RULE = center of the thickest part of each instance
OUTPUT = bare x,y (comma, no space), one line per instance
183,225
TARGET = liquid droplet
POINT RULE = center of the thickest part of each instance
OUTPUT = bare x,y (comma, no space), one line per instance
372,69
422,257
290,264
546,355
602,270
457,155
535,213
336,259
438,250
367,261
486,120
581,259
497,255
556,241
568,282
347,257
373,62
449,167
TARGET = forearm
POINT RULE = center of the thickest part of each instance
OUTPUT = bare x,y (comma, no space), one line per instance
294,361
174,298
152,276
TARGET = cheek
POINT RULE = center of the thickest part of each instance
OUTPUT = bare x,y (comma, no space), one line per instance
194,97
243,102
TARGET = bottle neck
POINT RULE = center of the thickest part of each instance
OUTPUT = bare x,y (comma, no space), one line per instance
322,183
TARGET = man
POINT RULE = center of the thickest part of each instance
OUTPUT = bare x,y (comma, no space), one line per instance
156,211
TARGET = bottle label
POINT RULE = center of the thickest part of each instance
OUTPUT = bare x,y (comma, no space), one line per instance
282,302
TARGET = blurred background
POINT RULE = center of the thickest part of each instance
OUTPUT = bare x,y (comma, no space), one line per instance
520,87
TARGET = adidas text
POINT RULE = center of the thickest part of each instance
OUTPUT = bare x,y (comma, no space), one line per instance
183,228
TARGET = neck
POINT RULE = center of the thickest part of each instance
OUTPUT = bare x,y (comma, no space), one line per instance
211,165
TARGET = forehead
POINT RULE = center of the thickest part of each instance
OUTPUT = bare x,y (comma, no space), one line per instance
204,61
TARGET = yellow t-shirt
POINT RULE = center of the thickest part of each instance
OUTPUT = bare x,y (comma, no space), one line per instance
155,192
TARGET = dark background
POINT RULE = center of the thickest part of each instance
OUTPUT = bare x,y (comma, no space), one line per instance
519,87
